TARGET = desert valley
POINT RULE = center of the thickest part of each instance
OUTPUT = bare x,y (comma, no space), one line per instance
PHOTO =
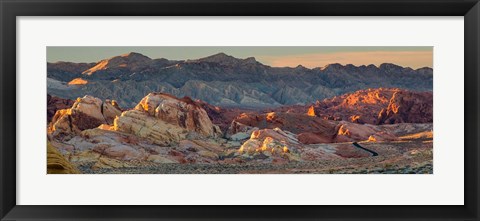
222,115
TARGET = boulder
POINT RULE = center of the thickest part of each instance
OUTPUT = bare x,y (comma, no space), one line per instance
86,113
270,142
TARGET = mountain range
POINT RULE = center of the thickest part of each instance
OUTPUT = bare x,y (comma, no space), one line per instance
223,80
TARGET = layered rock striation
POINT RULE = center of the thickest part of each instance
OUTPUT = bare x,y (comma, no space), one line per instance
164,119
86,113
226,81
372,106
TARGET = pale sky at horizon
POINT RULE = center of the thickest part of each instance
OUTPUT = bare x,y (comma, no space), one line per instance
277,56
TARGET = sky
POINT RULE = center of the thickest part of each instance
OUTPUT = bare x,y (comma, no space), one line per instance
276,56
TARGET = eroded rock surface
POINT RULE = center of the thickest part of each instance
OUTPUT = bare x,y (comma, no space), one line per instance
86,113
164,119
56,103
373,106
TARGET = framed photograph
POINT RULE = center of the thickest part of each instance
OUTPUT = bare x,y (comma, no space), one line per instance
188,110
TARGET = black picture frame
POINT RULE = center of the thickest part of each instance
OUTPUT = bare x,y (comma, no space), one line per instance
10,9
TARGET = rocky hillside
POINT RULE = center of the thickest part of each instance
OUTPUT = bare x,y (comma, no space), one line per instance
56,103
223,80
372,106
96,136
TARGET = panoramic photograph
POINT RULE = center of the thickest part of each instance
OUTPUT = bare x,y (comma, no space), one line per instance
240,110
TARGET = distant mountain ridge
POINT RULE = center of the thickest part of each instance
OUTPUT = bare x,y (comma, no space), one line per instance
224,80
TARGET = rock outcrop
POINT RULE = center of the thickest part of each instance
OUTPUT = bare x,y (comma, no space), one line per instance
57,164
56,103
164,119
311,111
407,107
373,106
86,113
128,62
271,143
309,130
221,116
293,122
351,132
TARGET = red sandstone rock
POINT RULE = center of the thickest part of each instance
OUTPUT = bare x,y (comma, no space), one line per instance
86,113
56,103
373,106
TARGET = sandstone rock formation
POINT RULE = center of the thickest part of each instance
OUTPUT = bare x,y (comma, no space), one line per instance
56,103
164,119
239,131
310,130
267,143
57,164
380,106
293,122
86,113
373,106
407,107
311,111
350,132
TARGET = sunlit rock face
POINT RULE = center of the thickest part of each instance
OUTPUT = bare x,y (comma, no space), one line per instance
66,71
127,62
372,106
78,81
271,143
86,113
408,107
351,132
379,106
56,103
311,111
165,119
308,129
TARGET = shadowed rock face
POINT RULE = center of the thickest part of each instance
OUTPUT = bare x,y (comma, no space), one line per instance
66,71
309,129
226,81
221,116
56,103
408,107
